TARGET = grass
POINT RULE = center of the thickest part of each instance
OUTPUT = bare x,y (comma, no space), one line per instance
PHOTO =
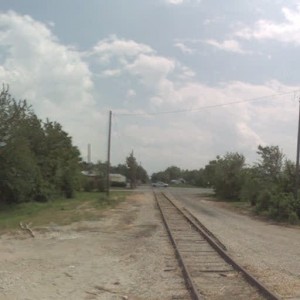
86,206
182,185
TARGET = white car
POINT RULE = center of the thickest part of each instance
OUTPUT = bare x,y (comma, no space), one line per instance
159,184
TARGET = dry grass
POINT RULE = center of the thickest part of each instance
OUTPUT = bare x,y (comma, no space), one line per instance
86,206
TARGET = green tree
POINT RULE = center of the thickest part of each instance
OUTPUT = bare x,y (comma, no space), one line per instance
61,164
270,164
18,169
132,169
37,160
173,172
227,175
141,174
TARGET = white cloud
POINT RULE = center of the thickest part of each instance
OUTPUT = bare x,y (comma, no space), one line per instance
113,46
179,2
151,69
227,45
202,133
111,73
51,76
60,84
131,93
288,31
211,131
184,48
175,2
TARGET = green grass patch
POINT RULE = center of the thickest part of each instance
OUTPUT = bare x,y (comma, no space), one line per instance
182,185
86,206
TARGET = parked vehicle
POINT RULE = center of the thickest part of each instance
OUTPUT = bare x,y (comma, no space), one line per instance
159,184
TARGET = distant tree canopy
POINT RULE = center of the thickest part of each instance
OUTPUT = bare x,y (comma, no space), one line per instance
268,185
134,172
37,159
193,177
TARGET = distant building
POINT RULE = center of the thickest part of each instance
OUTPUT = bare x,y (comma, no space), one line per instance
117,180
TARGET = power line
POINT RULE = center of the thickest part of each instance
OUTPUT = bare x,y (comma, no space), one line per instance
206,107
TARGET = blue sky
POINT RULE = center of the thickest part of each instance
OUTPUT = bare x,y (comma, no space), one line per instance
76,60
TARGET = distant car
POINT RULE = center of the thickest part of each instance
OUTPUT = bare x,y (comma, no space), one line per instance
159,184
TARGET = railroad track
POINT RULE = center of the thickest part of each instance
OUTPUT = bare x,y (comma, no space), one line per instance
209,272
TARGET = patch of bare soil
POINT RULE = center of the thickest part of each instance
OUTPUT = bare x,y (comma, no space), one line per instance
124,255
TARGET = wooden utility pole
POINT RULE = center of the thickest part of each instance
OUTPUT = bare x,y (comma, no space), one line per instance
297,159
108,154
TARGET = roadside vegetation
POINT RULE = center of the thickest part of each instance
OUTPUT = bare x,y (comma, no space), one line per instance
39,164
42,175
37,159
268,186
61,211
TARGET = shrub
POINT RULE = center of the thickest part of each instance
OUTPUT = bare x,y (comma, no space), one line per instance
263,201
279,207
293,218
250,190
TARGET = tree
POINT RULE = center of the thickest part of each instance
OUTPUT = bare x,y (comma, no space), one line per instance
18,169
61,164
226,175
37,160
142,175
271,163
132,169
173,172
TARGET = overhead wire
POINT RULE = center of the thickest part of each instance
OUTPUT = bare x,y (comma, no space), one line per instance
208,106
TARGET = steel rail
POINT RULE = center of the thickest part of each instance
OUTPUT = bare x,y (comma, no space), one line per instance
186,274
252,280
262,289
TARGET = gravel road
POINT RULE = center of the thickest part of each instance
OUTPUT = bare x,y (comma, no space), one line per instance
124,255
271,252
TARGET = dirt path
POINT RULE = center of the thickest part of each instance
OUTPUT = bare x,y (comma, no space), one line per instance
124,255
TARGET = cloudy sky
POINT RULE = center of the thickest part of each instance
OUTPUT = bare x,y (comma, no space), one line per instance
186,80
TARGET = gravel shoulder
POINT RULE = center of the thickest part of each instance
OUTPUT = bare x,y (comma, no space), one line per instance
124,255
271,252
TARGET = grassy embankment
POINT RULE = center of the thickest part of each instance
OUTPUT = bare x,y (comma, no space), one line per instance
86,206
182,185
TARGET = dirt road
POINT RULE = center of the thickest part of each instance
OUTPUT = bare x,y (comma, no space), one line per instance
124,255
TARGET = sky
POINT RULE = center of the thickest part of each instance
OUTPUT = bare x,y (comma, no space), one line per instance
186,80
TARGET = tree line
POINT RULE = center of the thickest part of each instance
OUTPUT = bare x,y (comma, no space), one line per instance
268,185
38,162
134,173
37,159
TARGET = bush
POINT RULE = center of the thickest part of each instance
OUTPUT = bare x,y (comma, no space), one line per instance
250,191
278,206
293,218
263,201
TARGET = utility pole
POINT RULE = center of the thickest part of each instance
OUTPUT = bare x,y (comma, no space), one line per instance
108,153
297,160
